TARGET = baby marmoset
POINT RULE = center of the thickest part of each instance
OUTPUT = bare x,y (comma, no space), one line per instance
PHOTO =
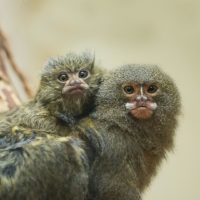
135,118
35,163
66,93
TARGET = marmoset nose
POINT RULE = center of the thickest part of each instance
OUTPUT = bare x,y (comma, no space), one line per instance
141,97
75,82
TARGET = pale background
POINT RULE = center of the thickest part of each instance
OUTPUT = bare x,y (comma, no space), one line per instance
122,31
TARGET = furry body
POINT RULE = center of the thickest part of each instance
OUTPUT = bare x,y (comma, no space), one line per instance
33,170
128,149
33,155
131,149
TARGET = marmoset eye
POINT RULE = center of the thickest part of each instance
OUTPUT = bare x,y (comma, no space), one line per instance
83,74
63,77
129,89
152,89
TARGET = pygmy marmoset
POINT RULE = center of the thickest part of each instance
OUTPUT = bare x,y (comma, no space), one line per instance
135,118
30,151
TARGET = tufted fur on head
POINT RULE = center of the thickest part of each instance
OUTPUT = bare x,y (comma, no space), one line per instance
49,93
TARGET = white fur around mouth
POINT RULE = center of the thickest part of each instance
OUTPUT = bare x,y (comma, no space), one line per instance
131,106
154,106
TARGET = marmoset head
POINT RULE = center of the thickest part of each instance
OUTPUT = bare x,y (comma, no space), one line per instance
70,82
141,91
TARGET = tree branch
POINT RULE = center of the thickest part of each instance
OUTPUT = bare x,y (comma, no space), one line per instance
8,96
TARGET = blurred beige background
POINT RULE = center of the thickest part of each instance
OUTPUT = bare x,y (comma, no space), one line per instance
122,31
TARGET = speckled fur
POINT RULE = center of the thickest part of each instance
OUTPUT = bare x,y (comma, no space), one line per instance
42,112
45,168
131,149
36,163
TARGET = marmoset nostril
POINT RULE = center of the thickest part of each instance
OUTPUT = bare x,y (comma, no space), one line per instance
75,82
141,98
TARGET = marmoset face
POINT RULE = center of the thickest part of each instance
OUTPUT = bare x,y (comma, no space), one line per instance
140,98
74,83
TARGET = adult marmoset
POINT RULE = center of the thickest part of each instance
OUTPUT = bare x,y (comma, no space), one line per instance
136,118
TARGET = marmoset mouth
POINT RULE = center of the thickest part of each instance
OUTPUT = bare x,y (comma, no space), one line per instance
141,104
141,107
141,112
77,90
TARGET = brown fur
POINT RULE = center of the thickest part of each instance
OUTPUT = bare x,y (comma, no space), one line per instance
130,149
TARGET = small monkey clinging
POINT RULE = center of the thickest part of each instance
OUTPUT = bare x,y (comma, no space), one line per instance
35,163
66,93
